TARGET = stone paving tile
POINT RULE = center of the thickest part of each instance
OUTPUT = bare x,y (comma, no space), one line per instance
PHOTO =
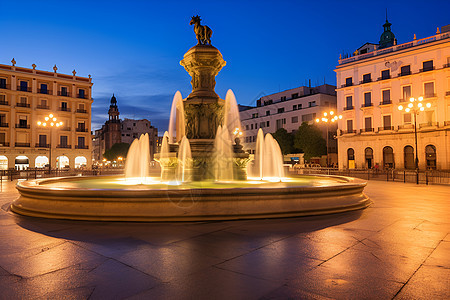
212,283
429,282
440,257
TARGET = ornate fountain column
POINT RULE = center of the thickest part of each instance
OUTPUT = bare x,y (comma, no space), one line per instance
203,107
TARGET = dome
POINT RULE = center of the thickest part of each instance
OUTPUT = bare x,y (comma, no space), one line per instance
387,38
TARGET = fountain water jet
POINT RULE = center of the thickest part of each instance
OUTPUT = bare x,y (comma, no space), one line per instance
231,117
223,155
177,120
184,166
138,159
268,158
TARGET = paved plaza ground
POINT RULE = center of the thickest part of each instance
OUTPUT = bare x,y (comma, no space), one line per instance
397,248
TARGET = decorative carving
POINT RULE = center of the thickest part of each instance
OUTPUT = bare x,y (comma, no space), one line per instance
202,32
34,66
55,68
13,61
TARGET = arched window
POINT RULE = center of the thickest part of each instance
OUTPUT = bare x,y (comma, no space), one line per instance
21,162
62,162
41,161
408,156
351,158
368,154
430,155
3,162
388,157
80,162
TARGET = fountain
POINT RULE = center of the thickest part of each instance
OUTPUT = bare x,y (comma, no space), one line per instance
203,169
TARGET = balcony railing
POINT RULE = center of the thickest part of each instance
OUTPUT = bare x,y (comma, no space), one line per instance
349,107
24,88
39,145
384,77
446,123
22,144
5,86
385,128
430,95
347,84
385,102
25,126
22,104
406,126
428,124
426,69
4,125
367,130
82,111
64,94
404,73
81,147
446,66
81,96
4,144
43,106
4,102
348,131
366,104
64,146
447,93
47,92
81,129
365,81
63,108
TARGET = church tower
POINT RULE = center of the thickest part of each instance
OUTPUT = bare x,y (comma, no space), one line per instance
387,38
111,131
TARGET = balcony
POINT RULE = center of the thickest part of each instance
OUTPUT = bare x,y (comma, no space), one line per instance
64,109
349,107
386,102
4,102
4,144
81,111
22,105
5,86
24,126
42,106
446,66
81,96
365,81
347,84
384,77
64,94
366,105
446,123
65,129
447,93
46,92
385,128
24,88
406,126
22,144
4,125
404,73
428,124
81,147
81,129
426,69
367,130
39,145
348,131
64,146
430,95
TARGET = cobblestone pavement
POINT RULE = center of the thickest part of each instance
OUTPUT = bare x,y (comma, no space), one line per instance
397,248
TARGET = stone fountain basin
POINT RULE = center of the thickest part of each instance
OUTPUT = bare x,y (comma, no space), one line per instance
83,198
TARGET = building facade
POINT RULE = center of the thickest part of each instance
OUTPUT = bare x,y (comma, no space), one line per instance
371,86
288,110
117,131
27,96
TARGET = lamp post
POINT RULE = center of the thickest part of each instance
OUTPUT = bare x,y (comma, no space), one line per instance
328,117
50,121
415,106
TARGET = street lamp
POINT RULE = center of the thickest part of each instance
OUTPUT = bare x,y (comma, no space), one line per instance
328,117
415,106
50,121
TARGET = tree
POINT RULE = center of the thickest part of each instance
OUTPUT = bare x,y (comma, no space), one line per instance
309,139
285,140
118,149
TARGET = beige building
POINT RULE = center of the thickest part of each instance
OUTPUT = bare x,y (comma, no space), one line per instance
288,110
27,96
132,129
374,82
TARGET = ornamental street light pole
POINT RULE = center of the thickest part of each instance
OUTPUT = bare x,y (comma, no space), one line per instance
51,122
328,118
415,106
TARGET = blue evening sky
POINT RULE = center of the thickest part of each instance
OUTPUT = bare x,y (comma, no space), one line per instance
133,48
